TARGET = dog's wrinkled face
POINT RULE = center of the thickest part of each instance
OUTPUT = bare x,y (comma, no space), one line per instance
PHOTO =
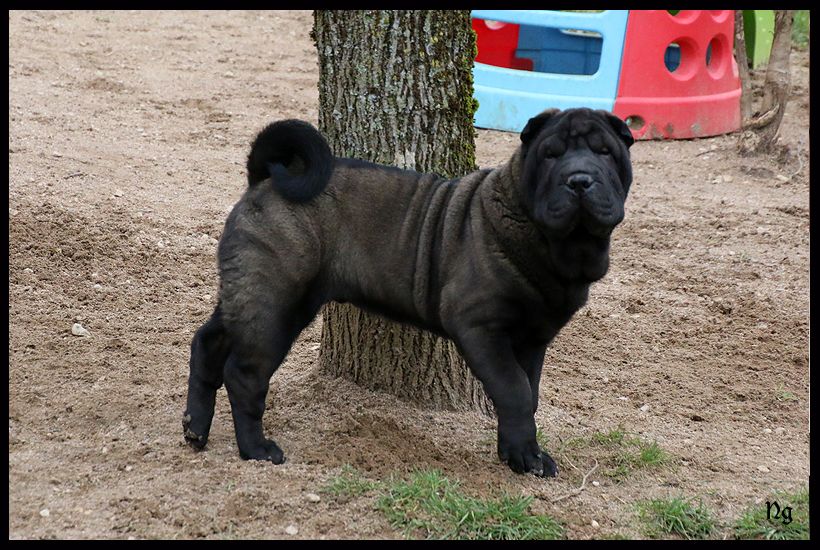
575,181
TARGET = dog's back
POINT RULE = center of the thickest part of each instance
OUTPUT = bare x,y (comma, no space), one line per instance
357,220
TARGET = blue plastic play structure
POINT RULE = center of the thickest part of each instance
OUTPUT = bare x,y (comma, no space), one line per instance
576,60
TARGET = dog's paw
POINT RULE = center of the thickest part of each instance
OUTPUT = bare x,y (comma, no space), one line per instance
269,451
528,459
548,466
195,440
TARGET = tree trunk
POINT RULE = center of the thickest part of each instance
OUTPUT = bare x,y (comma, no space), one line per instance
776,86
743,70
395,87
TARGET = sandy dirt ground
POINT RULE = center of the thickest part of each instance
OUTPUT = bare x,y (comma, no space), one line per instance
128,133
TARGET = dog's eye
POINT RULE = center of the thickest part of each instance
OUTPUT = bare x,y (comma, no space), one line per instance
553,149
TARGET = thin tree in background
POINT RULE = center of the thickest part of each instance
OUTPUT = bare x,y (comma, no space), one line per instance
743,69
762,128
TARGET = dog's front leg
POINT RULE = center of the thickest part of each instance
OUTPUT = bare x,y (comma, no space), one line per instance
489,354
530,356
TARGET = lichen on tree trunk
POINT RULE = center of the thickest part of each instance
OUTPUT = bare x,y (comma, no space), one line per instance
395,87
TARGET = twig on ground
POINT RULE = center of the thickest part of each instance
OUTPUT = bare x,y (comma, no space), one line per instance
579,489
574,467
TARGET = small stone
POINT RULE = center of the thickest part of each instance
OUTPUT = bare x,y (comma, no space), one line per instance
28,270
622,398
78,330
129,468
104,450
44,513
727,178
595,524
313,497
763,469
644,408
782,178
596,483
291,529
780,431
98,287
160,244
767,430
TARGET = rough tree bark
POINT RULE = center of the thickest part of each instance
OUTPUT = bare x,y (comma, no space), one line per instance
395,87
765,125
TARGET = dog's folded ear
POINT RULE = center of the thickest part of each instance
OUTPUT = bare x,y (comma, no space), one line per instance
535,124
620,128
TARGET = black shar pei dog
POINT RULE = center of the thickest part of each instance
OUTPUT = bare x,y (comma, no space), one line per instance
498,261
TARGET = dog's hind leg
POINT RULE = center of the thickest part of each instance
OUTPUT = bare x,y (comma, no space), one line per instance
259,346
209,351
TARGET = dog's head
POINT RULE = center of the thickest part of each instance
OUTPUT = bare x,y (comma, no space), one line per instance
575,178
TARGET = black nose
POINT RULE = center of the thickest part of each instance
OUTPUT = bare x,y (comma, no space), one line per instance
580,181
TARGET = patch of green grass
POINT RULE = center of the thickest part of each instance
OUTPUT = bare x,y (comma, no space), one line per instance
676,516
616,436
755,523
542,439
620,454
350,483
782,394
651,454
573,443
800,28
432,504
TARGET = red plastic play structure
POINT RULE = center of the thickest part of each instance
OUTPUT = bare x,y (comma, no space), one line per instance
498,42
677,76
701,96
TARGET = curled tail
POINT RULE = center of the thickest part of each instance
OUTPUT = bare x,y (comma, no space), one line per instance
295,156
